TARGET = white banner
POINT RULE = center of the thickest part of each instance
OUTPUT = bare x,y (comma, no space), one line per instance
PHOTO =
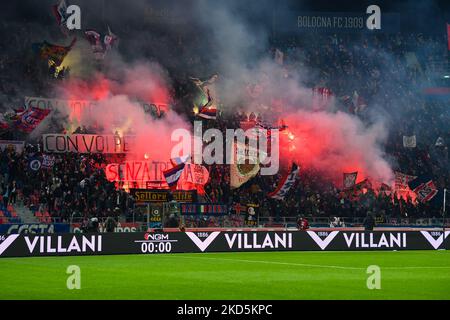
57,104
17,146
87,143
242,171
137,171
409,142
196,174
154,109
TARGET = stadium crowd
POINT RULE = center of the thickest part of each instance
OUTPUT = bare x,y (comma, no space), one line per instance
379,68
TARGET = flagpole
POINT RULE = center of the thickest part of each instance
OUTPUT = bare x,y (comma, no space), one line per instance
443,219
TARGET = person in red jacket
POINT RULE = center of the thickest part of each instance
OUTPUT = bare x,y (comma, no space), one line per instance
302,223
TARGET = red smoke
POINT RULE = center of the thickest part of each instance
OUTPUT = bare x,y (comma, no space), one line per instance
334,143
143,83
331,143
95,89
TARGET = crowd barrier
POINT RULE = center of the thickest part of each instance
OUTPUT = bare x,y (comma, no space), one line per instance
28,245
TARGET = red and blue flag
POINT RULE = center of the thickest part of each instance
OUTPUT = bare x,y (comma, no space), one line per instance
29,119
173,175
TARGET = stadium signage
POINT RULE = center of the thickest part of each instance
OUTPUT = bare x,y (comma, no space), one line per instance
23,245
120,227
6,242
157,236
203,244
55,244
152,196
87,143
250,240
371,20
205,209
435,238
327,238
156,243
375,240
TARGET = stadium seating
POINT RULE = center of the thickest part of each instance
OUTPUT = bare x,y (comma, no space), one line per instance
46,218
9,215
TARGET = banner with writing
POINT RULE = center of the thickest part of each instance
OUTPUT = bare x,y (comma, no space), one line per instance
156,110
155,196
87,143
12,145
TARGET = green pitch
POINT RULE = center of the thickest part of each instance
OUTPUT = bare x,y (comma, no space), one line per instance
271,275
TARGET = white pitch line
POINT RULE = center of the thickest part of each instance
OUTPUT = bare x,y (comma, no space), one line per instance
275,262
419,267
311,265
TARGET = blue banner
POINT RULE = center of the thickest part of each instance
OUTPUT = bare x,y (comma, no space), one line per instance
206,209
34,228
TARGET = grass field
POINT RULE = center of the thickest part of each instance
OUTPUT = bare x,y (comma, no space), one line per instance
271,275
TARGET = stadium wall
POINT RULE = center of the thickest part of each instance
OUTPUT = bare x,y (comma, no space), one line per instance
23,245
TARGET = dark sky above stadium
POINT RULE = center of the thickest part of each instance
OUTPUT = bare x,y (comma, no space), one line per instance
419,16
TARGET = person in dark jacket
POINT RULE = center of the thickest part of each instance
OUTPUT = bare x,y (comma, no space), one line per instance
110,224
93,225
369,222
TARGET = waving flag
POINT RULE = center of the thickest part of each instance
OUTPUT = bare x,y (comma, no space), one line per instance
194,177
173,175
207,113
100,44
440,142
4,125
402,180
448,35
52,52
424,188
60,12
288,181
245,166
109,40
93,37
35,163
279,57
409,141
350,179
365,184
386,189
321,98
179,160
48,161
353,193
358,102
29,119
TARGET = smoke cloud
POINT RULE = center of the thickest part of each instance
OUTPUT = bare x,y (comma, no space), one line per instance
162,42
